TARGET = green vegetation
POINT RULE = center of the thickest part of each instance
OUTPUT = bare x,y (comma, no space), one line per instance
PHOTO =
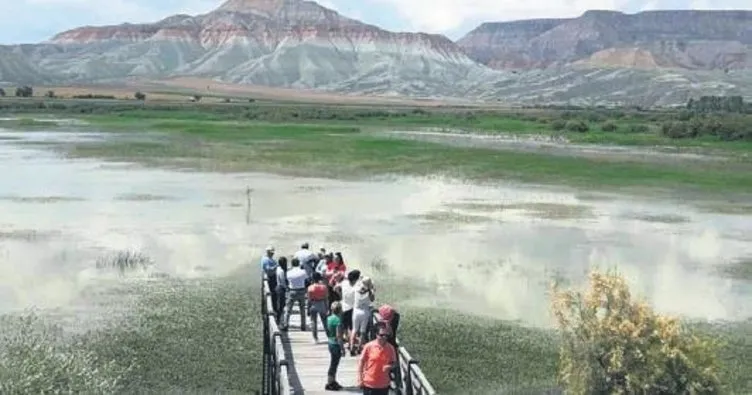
184,336
202,336
699,125
612,344
297,148
24,91
98,97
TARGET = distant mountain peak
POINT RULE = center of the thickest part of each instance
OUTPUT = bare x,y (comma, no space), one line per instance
255,6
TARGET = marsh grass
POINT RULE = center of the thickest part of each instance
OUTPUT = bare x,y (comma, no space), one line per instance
40,199
38,357
29,235
450,217
658,218
311,149
124,261
537,210
190,336
738,269
179,336
143,197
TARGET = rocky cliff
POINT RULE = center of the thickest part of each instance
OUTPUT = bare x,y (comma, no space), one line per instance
291,43
599,58
695,40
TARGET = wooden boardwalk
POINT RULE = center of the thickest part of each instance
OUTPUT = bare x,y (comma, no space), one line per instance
309,362
295,364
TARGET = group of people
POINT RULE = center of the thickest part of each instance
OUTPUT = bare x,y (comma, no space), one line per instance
322,287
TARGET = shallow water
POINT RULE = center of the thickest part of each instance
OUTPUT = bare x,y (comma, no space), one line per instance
490,249
558,145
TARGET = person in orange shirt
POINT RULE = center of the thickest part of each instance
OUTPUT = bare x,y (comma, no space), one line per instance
318,303
377,360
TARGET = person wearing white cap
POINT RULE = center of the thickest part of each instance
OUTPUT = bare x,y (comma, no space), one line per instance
269,267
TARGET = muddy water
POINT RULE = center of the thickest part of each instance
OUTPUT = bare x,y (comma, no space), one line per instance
490,249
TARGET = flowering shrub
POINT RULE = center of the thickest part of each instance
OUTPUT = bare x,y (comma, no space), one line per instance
612,344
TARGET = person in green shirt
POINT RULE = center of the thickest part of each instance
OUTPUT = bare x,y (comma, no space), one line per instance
334,332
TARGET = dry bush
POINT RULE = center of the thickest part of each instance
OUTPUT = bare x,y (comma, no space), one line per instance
612,344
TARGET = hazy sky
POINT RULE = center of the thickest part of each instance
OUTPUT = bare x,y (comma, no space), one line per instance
37,20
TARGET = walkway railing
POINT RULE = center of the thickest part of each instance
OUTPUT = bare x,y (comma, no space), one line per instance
276,381
411,380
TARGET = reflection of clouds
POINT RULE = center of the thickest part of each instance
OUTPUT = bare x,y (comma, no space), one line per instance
501,267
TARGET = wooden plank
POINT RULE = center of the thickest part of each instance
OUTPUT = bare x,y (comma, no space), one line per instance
309,361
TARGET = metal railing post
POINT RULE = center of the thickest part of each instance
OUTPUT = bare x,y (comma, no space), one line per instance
277,363
265,383
409,378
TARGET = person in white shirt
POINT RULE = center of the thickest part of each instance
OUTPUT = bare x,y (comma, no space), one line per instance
296,292
364,296
281,289
307,259
347,290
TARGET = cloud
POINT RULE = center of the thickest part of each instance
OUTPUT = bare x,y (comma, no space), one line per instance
441,16
36,20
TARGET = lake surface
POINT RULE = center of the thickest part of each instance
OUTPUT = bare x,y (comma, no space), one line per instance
489,249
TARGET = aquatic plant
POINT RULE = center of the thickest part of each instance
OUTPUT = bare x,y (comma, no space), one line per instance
36,357
124,261
612,344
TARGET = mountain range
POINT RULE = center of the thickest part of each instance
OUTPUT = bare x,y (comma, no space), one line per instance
601,57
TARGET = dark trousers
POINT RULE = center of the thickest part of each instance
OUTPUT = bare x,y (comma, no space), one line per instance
281,295
375,391
396,373
271,278
335,354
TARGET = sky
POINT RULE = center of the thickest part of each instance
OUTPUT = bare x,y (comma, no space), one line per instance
28,21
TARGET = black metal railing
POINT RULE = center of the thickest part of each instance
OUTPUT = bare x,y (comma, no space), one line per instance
409,380
276,380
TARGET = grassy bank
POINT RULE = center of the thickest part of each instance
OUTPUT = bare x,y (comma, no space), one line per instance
629,126
336,150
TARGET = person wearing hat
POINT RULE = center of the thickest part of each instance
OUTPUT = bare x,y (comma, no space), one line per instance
376,362
269,267
390,317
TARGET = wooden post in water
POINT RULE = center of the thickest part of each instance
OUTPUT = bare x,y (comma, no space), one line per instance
248,205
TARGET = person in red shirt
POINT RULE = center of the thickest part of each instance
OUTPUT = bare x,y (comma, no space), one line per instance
337,264
318,303
377,360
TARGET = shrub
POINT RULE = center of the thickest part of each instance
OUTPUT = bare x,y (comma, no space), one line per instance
614,345
577,126
90,96
140,96
24,91
675,130
558,124
609,126
638,128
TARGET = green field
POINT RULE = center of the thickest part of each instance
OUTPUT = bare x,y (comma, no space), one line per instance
172,350
284,138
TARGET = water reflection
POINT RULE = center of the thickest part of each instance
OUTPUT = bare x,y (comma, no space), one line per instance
486,248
